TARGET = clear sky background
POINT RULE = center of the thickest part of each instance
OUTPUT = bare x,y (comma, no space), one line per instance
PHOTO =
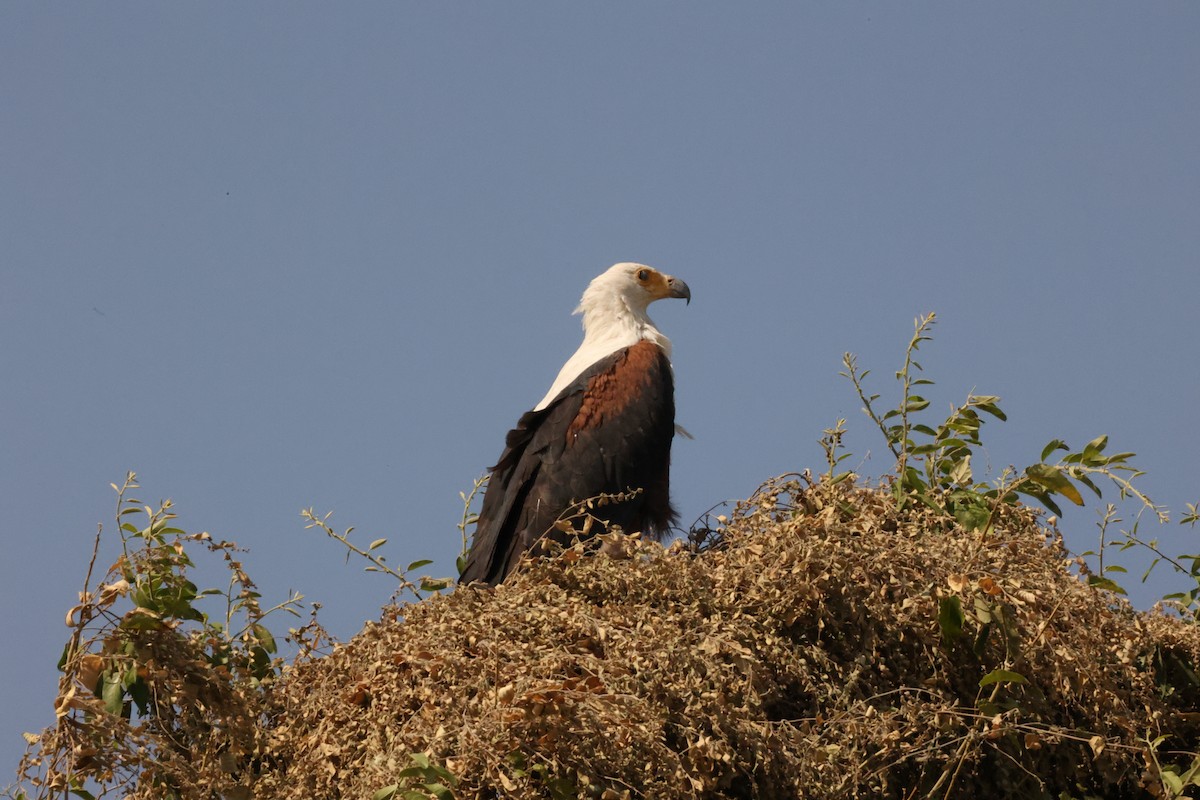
291,255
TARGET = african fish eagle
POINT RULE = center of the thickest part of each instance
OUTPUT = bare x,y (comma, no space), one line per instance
605,427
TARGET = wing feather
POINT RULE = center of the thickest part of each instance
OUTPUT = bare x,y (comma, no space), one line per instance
609,431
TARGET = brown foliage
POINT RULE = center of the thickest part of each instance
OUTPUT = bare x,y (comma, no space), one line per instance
800,654
821,643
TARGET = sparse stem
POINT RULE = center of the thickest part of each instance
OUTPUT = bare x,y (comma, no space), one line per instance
851,364
921,325
1110,516
831,442
377,563
469,518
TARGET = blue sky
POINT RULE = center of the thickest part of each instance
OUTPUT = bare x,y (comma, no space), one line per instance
273,257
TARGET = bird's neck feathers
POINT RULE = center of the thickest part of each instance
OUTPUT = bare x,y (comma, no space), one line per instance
612,321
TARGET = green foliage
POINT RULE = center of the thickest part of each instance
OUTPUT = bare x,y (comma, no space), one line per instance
934,461
1176,779
421,780
935,468
997,676
950,618
153,662
559,787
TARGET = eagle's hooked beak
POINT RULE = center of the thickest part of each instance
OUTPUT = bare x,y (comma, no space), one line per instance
677,288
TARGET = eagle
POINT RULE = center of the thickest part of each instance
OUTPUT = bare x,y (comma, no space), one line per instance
604,428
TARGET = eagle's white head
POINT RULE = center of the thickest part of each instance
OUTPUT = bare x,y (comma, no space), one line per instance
614,317
626,290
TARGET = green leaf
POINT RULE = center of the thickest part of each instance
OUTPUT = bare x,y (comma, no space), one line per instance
1045,500
950,618
916,403
1105,583
260,663
562,788
990,709
972,516
1001,676
418,564
1055,444
1086,481
376,543
1055,480
1068,490
130,676
264,636
961,473
1174,782
981,639
142,597
928,502
113,694
139,692
994,410
386,793
913,479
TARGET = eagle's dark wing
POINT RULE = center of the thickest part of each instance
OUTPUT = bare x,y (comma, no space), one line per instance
610,431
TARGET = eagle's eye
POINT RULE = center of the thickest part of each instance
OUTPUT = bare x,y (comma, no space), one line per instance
643,274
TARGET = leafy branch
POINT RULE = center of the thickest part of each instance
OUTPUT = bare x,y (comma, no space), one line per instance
147,669
934,463
378,563
469,518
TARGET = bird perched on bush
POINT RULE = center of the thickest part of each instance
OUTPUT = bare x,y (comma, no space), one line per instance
604,427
